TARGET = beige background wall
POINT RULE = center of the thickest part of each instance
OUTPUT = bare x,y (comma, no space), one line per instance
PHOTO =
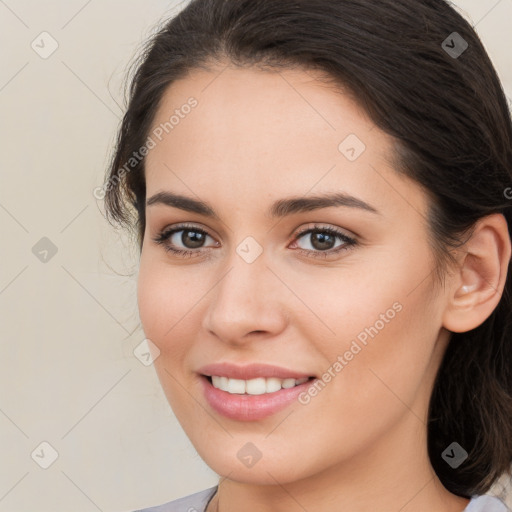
69,325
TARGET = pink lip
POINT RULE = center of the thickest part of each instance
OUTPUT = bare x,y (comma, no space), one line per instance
250,407
250,371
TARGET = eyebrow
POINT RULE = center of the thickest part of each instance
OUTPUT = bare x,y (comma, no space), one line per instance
280,208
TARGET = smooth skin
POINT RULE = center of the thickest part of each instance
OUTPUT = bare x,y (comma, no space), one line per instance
256,137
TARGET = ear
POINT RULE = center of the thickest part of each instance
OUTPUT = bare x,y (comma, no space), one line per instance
477,284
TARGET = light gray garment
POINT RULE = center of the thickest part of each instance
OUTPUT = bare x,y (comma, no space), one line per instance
197,503
193,503
485,503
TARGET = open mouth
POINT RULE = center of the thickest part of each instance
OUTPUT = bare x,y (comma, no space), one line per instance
256,386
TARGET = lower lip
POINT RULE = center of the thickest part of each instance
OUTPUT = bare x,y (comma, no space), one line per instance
250,407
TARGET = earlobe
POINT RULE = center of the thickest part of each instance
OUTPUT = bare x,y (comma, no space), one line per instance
477,285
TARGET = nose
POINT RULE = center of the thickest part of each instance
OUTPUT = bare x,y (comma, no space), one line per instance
246,303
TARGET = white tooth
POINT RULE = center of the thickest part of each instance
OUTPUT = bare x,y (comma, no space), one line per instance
273,384
255,386
223,383
288,383
236,386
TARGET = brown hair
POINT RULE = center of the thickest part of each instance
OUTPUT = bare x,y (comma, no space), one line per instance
438,95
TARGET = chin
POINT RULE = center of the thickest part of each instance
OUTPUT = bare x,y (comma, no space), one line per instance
255,463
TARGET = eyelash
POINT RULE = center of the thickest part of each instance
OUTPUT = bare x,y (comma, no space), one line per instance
349,242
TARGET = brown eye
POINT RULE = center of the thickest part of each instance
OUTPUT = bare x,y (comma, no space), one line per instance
183,240
192,239
322,241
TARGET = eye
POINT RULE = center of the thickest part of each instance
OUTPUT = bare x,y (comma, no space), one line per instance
191,237
322,241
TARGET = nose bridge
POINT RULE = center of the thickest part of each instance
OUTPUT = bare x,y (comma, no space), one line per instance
242,301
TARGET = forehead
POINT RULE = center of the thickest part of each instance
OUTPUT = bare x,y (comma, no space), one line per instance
242,110
265,133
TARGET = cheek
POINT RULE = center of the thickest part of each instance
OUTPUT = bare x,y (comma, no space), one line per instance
166,308
365,299
380,318
165,300
152,299
386,340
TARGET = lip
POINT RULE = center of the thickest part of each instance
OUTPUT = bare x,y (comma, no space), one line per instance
250,407
250,371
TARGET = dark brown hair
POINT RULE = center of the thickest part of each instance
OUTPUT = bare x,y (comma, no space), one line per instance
451,122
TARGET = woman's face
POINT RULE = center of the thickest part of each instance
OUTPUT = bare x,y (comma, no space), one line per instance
352,308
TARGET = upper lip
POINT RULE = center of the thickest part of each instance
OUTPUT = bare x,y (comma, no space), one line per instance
250,371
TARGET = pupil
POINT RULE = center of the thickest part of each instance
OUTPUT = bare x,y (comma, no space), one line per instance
322,241
195,237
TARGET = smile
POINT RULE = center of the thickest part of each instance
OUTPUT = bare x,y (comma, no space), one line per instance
251,392
257,386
